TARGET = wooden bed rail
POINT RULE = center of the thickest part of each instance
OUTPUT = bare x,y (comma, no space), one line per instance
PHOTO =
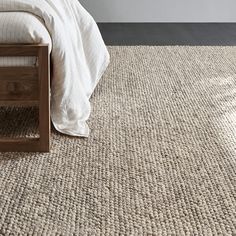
27,86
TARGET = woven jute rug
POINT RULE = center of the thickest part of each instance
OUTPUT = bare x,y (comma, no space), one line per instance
160,160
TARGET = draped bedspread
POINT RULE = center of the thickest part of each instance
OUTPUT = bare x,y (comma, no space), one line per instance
79,58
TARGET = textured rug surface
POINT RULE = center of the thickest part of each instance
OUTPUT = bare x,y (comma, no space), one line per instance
160,160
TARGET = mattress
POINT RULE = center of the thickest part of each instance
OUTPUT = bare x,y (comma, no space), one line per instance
21,28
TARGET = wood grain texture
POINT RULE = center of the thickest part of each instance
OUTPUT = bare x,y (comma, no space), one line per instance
20,145
20,50
25,90
21,103
27,86
44,99
18,73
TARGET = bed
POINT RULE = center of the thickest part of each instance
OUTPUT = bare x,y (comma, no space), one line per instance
39,35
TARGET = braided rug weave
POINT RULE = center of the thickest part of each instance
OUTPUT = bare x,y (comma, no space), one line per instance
160,159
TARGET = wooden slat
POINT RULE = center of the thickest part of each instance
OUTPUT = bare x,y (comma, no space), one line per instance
19,103
19,50
21,145
19,90
19,83
18,73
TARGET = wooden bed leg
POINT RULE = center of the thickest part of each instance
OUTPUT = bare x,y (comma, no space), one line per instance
36,78
44,99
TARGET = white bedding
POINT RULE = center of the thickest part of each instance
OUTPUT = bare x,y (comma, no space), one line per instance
15,28
79,55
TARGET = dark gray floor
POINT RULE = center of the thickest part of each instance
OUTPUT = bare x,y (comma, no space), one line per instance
169,33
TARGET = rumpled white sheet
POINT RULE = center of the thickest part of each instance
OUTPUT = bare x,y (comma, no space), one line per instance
79,58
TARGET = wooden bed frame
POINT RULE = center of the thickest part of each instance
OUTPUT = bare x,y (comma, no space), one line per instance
27,86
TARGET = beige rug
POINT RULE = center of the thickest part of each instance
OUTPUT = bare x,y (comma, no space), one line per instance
160,160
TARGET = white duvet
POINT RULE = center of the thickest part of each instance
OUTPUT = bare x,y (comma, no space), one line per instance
79,58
